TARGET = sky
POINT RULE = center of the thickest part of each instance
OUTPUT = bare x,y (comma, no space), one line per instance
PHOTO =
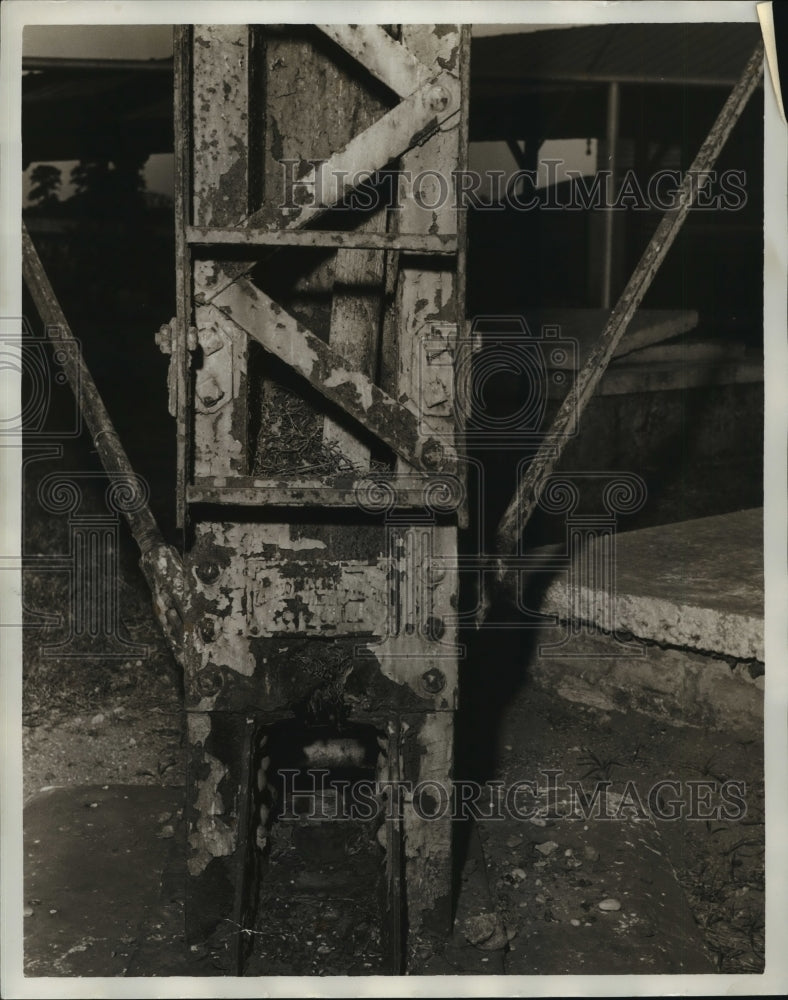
155,42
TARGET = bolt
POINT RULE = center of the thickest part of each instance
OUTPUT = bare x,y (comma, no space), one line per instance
210,392
434,628
209,681
208,571
164,338
433,680
438,99
432,455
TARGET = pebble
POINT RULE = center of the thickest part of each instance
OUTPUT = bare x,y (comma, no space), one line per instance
97,720
537,821
486,931
519,874
28,911
479,927
609,905
514,841
166,832
574,922
590,853
547,847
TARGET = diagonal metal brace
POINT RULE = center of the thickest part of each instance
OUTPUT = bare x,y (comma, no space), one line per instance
160,563
411,122
526,496
397,424
386,59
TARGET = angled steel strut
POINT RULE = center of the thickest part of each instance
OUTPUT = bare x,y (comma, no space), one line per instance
160,563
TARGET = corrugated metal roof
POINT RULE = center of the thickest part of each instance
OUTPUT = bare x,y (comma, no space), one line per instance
702,54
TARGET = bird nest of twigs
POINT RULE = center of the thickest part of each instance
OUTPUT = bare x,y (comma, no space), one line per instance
291,440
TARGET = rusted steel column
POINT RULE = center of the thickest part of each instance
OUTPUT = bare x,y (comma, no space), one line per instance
613,116
430,317
343,617
220,135
526,497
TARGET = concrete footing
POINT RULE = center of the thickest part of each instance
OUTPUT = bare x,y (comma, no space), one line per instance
681,636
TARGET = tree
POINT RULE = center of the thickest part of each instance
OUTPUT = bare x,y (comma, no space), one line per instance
46,183
107,188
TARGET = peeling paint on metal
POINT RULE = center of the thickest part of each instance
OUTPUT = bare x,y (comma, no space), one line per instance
210,836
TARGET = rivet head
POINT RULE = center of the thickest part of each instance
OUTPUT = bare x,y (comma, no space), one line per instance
208,571
433,680
432,455
434,628
209,681
438,99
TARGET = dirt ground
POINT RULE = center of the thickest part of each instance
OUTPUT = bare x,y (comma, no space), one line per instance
529,884
530,890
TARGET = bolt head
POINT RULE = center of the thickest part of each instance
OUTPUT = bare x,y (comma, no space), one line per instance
209,681
438,99
433,680
432,455
208,571
434,628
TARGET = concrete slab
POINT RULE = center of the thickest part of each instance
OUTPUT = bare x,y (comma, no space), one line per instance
624,379
94,858
585,326
695,584
676,685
